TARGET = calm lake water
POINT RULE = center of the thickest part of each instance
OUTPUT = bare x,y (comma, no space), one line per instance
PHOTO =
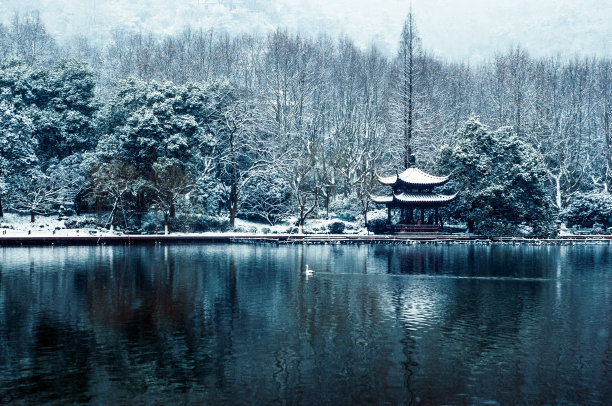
242,324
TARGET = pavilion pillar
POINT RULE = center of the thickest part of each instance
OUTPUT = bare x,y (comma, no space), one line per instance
422,215
436,216
388,214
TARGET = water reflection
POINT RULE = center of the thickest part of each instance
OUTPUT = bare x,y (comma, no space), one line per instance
243,324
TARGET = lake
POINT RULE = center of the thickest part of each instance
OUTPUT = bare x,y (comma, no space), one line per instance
243,324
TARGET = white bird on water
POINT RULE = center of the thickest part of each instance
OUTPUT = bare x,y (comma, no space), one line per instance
309,272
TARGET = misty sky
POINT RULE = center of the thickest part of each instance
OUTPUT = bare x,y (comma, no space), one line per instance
454,29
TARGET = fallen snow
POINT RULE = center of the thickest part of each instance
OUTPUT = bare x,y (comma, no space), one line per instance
18,225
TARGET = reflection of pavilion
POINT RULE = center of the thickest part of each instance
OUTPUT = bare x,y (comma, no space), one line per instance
413,189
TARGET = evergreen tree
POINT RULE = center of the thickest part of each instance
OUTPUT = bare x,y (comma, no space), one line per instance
161,131
68,112
501,181
17,150
59,101
407,66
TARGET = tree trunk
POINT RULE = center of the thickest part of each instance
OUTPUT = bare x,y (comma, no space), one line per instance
112,216
165,223
558,191
232,213
233,198
302,218
32,216
1,212
139,206
326,202
172,207
233,204
608,137
98,206
470,224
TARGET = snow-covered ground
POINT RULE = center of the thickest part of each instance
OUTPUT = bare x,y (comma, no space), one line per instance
312,226
17,225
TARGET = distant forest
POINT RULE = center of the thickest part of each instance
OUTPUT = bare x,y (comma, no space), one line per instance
203,126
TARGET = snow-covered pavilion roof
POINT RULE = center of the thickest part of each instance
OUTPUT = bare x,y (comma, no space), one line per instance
414,177
414,199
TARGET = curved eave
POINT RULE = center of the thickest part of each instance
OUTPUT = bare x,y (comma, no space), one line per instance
423,198
382,199
414,177
422,184
388,181
414,199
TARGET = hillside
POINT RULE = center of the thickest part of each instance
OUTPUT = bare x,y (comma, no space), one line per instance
471,30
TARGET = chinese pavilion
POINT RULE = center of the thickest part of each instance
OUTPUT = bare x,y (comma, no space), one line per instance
413,189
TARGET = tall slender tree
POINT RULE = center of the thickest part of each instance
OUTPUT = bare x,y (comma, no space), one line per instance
406,78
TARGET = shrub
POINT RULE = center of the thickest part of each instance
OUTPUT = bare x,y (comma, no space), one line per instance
586,209
72,222
337,227
209,223
197,224
377,226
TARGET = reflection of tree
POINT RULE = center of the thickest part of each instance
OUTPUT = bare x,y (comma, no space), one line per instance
225,313
414,260
58,366
409,365
142,297
340,328
212,324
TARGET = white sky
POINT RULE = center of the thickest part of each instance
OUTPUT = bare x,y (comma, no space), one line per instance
454,29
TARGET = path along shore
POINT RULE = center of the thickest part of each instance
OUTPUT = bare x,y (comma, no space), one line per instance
193,238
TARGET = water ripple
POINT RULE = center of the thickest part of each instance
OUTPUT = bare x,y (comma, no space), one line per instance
220,324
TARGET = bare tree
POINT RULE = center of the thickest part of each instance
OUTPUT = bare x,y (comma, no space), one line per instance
115,181
603,99
37,193
30,38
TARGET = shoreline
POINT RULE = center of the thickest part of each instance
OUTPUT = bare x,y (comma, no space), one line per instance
195,238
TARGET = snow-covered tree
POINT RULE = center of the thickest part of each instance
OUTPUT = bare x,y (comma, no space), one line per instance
267,198
43,192
30,39
244,148
602,158
404,87
586,209
160,130
295,111
59,101
115,181
65,121
17,150
500,178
